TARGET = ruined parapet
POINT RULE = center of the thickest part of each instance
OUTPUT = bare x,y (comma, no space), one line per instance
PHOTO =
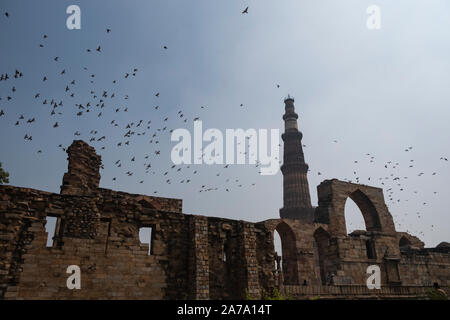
83,175
150,202
370,200
443,245
407,241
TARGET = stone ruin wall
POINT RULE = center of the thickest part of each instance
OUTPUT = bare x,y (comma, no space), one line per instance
194,256
101,235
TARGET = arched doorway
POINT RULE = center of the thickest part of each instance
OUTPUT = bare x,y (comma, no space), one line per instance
353,216
289,265
278,249
358,200
322,246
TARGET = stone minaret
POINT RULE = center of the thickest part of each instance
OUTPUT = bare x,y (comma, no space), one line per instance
296,198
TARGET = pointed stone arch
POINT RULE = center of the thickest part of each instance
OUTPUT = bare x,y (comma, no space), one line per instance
370,200
354,219
322,251
368,210
289,253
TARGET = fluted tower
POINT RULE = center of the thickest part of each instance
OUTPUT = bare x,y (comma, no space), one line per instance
296,198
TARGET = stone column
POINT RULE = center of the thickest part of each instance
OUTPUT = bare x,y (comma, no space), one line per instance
83,175
250,259
198,258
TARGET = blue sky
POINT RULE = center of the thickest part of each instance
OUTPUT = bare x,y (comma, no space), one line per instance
375,92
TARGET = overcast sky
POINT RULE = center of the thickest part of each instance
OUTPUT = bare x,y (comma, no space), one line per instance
357,92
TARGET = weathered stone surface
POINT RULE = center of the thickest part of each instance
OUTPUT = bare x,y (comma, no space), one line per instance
83,176
200,257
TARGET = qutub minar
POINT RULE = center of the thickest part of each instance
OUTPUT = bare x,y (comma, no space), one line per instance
198,257
296,198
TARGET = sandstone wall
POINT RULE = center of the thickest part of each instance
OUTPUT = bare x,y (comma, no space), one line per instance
198,257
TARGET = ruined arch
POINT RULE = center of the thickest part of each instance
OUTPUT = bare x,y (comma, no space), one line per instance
370,200
368,210
322,251
354,219
289,252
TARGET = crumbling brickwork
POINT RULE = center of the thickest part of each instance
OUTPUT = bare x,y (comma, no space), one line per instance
83,176
198,257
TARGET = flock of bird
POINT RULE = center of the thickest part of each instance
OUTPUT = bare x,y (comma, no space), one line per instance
395,183
98,101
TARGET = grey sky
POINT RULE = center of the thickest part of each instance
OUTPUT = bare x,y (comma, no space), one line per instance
373,91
